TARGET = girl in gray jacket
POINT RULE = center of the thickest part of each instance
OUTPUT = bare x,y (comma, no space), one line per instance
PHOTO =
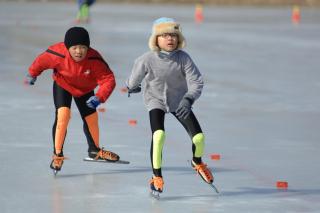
172,84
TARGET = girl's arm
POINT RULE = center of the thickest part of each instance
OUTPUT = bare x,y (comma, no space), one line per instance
137,75
194,79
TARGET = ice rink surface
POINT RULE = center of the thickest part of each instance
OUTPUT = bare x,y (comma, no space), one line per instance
260,110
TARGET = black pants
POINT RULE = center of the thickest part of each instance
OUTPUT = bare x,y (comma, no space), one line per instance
63,98
190,124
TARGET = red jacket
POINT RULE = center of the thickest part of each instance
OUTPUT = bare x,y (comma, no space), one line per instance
78,78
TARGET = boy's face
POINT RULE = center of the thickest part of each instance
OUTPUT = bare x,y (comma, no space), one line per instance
78,52
168,41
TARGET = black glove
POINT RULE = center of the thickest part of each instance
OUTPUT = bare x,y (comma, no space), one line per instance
135,90
30,80
184,108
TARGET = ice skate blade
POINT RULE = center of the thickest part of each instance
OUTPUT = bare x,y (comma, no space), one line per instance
214,187
106,161
155,194
55,172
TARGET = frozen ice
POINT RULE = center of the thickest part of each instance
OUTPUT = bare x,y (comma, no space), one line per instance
260,110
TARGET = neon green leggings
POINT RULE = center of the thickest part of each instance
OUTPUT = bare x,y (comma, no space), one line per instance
191,125
83,13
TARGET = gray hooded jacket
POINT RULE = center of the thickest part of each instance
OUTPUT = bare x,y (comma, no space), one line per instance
167,78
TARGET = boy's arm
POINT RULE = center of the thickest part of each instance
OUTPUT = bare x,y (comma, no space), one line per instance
42,62
106,82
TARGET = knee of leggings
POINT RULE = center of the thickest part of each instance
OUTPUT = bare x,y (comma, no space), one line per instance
158,136
198,141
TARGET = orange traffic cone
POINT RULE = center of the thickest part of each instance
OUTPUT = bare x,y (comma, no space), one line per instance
198,14
282,184
295,16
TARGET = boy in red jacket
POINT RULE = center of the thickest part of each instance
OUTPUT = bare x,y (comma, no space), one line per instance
77,71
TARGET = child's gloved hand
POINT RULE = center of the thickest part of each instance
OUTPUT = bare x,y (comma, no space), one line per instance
135,90
93,102
184,108
30,80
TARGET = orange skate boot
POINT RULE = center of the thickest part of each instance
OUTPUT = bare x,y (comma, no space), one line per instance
156,185
204,173
104,155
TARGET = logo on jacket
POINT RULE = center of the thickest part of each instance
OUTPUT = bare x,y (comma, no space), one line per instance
87,72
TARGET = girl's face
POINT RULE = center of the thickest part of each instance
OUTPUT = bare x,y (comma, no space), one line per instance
168,41
78,52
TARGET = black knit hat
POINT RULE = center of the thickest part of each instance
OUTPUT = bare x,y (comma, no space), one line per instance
76,36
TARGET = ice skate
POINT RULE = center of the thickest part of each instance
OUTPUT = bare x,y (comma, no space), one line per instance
104,155
204,173
156,186
56,163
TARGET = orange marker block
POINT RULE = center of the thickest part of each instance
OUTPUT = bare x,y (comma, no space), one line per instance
215,157
101,109
198,14
295,17
282,185
132,122
124,90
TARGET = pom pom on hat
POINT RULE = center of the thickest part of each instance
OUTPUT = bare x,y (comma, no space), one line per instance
165,25
76,36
